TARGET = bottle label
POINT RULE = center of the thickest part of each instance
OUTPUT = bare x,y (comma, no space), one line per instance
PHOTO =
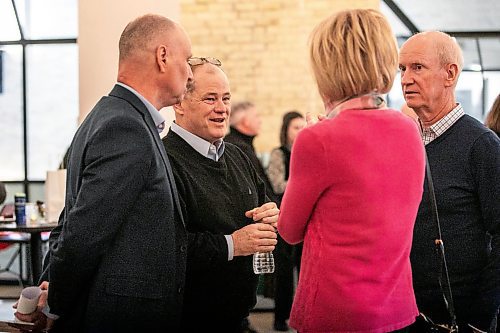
20,208
263,263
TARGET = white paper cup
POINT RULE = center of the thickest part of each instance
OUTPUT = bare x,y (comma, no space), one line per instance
29,300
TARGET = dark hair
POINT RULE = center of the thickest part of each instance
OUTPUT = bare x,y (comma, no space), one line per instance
3,193
287,119
238,111
493,118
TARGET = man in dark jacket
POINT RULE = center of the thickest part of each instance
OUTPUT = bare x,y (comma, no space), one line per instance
117,258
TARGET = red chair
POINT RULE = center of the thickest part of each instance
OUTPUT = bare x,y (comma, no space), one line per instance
9,239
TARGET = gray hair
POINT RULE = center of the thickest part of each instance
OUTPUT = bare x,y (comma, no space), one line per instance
238,111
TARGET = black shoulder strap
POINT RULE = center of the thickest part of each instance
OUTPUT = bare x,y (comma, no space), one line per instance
440,250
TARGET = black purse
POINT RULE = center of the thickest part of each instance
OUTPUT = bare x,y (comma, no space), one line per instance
424,324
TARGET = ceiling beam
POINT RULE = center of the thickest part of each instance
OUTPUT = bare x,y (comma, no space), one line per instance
402,16
39,41
19,25
474,34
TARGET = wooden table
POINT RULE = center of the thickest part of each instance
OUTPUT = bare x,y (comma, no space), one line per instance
35,232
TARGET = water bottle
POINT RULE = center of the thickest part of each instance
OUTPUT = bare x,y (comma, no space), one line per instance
20,208
263,262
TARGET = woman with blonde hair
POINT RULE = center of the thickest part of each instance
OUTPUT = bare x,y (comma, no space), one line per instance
355,184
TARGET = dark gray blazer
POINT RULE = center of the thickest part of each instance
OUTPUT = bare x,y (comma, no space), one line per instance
117,259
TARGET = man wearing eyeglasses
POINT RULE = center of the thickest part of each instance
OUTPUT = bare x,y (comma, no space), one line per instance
227,214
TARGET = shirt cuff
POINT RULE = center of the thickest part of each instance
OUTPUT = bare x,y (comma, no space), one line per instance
230,247
46,312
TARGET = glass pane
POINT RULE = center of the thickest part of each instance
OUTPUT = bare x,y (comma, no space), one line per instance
12,189
395,99
8,25
456,15
469,94
11,126
469,51
492,88
398,28
52,88
37,192
48,18
490,51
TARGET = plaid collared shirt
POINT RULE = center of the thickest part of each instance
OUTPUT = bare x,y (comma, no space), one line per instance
435,130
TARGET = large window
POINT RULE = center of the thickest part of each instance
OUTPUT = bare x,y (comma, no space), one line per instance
38,90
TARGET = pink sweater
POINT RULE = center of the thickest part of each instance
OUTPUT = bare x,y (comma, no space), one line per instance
355,185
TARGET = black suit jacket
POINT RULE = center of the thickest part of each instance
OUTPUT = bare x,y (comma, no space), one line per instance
117,259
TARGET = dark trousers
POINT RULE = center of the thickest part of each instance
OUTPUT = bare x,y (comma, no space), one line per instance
210,324
287,257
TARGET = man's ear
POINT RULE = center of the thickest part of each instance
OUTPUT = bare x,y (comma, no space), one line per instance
161,58
244,121
451,75
178,109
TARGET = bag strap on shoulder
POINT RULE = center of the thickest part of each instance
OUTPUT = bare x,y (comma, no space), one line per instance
443,272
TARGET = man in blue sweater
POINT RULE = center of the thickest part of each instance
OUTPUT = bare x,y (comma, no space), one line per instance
464,158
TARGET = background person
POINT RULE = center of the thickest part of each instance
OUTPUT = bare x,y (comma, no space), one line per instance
355,183
221,198
3,193
245,125
464,158
493,117
287,256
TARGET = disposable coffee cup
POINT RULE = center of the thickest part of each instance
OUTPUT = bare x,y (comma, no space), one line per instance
29,300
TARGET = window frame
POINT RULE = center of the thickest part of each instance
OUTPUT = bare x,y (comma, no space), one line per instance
24,43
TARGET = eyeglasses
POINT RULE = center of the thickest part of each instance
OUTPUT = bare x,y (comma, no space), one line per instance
196,61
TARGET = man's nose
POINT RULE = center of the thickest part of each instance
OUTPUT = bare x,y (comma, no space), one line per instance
219,106
406,78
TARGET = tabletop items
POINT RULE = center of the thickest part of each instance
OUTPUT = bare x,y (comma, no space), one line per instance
24,213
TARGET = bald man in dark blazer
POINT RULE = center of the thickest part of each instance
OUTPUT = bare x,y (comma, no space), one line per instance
117,259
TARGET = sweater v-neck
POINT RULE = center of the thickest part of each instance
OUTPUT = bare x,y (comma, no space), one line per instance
194,156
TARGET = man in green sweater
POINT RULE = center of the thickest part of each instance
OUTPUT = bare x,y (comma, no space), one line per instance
227,214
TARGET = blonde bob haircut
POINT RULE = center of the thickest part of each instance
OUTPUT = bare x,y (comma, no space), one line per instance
352,53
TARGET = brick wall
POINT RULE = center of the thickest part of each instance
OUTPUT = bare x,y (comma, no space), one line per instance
263,47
